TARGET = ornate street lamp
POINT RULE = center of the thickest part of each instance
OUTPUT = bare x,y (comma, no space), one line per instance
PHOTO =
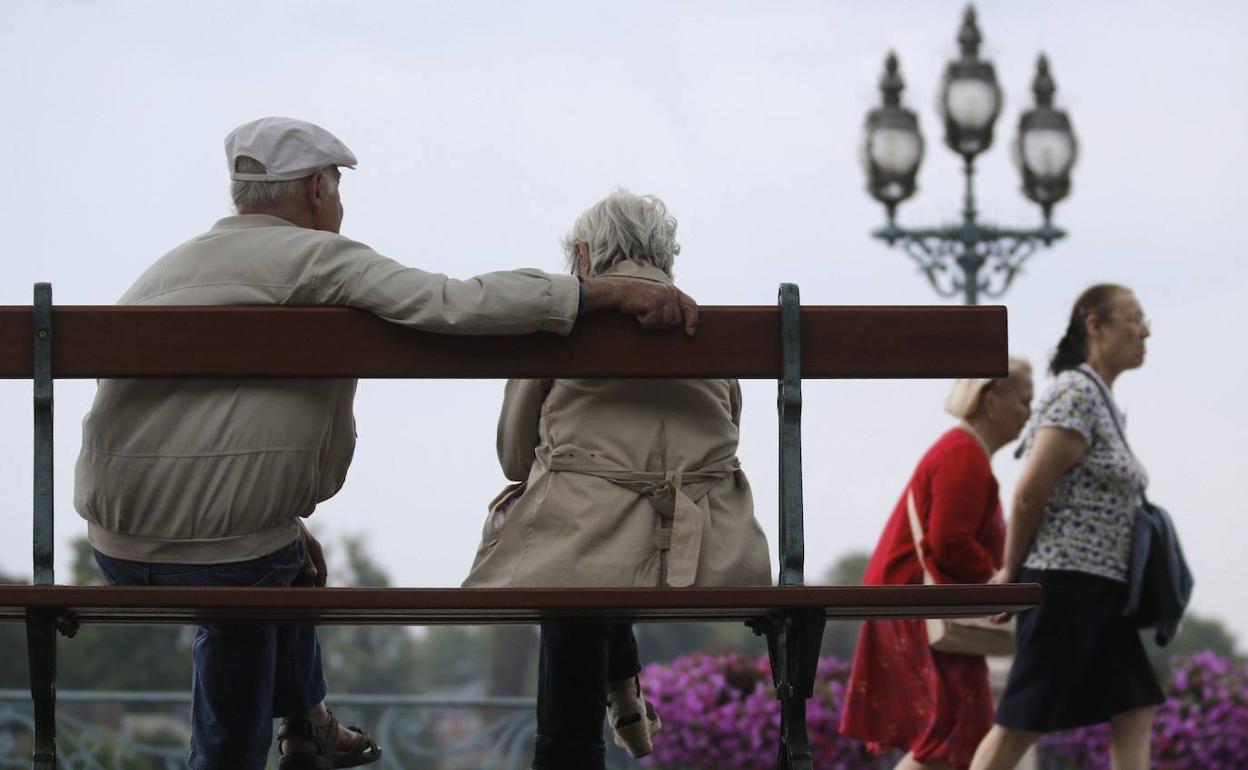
969,102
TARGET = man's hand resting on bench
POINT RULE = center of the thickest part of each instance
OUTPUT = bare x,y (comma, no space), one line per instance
656,305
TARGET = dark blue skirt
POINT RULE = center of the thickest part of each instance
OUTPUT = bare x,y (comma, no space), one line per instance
1079,662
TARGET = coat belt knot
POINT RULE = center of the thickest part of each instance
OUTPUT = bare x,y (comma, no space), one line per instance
675,496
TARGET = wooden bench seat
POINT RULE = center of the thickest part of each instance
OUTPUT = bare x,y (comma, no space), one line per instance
476,606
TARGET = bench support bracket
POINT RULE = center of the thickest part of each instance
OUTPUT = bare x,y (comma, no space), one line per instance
41,649
793,642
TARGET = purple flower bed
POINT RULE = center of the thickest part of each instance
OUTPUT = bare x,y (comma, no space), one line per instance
1203,725
720,713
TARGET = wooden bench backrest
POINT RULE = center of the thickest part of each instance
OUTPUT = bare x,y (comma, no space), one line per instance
786,343
742,342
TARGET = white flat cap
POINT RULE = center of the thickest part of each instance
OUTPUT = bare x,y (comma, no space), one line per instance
288,148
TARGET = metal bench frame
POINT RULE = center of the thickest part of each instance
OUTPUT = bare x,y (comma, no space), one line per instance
790,616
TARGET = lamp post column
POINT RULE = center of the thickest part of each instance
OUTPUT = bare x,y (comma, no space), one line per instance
968,257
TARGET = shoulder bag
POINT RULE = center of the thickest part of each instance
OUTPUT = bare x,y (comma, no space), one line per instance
963,636
1159,582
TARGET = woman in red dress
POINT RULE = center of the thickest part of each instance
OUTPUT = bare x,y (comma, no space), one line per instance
902,694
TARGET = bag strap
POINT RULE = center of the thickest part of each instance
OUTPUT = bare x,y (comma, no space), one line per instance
916,532
1109,404
1113,416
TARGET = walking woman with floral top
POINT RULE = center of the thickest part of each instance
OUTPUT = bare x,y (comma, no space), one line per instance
1079,661
936,706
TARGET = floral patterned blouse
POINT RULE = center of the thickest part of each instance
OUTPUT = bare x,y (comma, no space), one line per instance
1090,515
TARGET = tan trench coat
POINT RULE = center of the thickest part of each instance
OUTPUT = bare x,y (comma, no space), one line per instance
626,483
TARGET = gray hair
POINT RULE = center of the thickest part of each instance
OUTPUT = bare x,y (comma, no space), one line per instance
624,226
270,194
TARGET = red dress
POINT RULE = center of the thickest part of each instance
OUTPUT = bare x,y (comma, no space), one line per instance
902,694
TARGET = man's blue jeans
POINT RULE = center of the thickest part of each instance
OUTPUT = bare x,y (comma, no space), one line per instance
245,675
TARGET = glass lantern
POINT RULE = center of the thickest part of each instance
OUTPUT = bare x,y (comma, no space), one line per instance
892,146
969,99
1046,148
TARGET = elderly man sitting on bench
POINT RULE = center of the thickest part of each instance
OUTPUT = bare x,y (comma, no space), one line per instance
205,483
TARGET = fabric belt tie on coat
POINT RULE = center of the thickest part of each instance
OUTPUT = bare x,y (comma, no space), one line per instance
674,495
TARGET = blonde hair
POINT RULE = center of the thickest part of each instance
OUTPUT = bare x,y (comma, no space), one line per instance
966,393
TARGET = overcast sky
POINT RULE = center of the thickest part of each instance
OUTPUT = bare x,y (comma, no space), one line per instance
484,128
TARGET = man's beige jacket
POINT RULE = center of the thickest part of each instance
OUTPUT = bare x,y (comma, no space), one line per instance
215,471
626,483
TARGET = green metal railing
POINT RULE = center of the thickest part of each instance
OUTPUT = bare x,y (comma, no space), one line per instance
150,730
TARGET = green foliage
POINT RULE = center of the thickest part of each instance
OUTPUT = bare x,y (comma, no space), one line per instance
395,659
848,570
1202,633
121,657
83,569
365,659
362,570
1197,634
392,659
664,642
841,636
103,657
513,660
13,668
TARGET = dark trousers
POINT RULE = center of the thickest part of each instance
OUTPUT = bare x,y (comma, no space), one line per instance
576,662
245,675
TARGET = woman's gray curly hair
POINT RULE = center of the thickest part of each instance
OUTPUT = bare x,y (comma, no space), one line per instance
624,226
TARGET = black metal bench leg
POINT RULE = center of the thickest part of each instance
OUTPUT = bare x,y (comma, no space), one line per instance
793,642
41,648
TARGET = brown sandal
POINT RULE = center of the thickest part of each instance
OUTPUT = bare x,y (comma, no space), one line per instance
324,738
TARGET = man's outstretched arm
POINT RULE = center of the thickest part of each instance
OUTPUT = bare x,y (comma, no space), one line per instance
510,302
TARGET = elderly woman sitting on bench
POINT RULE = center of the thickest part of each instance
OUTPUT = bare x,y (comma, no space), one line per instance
624,483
